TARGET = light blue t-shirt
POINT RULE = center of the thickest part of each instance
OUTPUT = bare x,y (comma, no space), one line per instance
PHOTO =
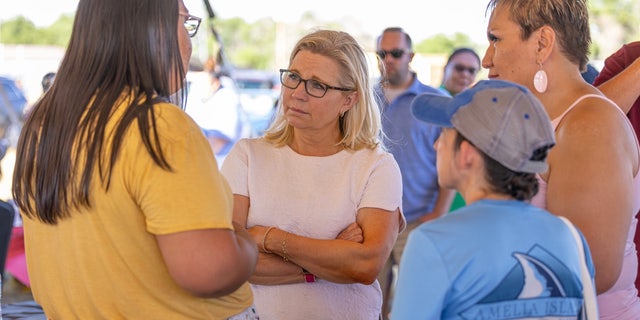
411,143
493,259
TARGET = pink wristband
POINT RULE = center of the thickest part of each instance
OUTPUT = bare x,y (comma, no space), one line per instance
308,277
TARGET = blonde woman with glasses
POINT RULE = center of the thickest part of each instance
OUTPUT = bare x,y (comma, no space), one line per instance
318,192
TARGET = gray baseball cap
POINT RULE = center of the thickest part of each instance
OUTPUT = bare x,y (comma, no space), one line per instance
503,119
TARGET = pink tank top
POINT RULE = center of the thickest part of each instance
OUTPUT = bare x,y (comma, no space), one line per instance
621,302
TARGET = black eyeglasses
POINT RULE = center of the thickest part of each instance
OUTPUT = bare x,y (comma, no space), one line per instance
314,88
395,53
461,69
192,23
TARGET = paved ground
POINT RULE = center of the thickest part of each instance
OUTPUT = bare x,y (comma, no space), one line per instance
13,291
17,302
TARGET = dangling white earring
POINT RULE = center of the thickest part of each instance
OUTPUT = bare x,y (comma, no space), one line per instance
540,80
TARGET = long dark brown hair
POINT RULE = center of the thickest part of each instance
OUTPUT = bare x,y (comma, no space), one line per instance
117,48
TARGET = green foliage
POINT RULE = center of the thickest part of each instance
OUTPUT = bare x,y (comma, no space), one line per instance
245,45
625,13
442,44
20,30
59,32
254,44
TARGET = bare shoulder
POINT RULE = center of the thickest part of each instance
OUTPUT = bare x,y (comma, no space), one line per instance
597,129
593,117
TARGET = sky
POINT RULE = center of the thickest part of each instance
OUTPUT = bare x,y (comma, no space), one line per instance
420,19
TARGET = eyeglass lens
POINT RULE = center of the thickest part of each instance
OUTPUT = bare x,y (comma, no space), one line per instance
395,53
312,87
461,68
191,24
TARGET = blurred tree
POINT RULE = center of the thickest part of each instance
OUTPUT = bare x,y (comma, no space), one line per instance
614,22
257,44
59,32
443,44
19,30
249,45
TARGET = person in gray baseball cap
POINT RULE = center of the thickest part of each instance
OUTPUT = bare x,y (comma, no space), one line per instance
499,256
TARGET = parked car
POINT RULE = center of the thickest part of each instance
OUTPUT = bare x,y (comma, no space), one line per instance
259,95
12,105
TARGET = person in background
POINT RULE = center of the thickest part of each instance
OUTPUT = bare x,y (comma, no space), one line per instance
16,263
590,73
495,139
47,80
620,81
214,104
460,71
410,142
121,198
318,192
543,45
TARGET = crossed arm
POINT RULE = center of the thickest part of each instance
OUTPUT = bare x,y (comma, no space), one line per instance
356,255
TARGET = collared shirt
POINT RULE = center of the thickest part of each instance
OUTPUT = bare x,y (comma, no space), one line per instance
411,143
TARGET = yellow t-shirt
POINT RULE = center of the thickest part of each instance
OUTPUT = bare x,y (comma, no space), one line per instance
104,262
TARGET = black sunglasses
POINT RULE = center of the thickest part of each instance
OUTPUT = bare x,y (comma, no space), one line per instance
395,53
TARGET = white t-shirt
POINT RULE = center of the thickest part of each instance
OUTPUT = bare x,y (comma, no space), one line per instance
315,197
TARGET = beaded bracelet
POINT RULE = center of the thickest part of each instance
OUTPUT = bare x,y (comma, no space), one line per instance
264,240
284,247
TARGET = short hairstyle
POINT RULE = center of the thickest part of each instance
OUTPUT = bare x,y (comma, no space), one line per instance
463,50
360,126
521,186
568,18
397,29
47,80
